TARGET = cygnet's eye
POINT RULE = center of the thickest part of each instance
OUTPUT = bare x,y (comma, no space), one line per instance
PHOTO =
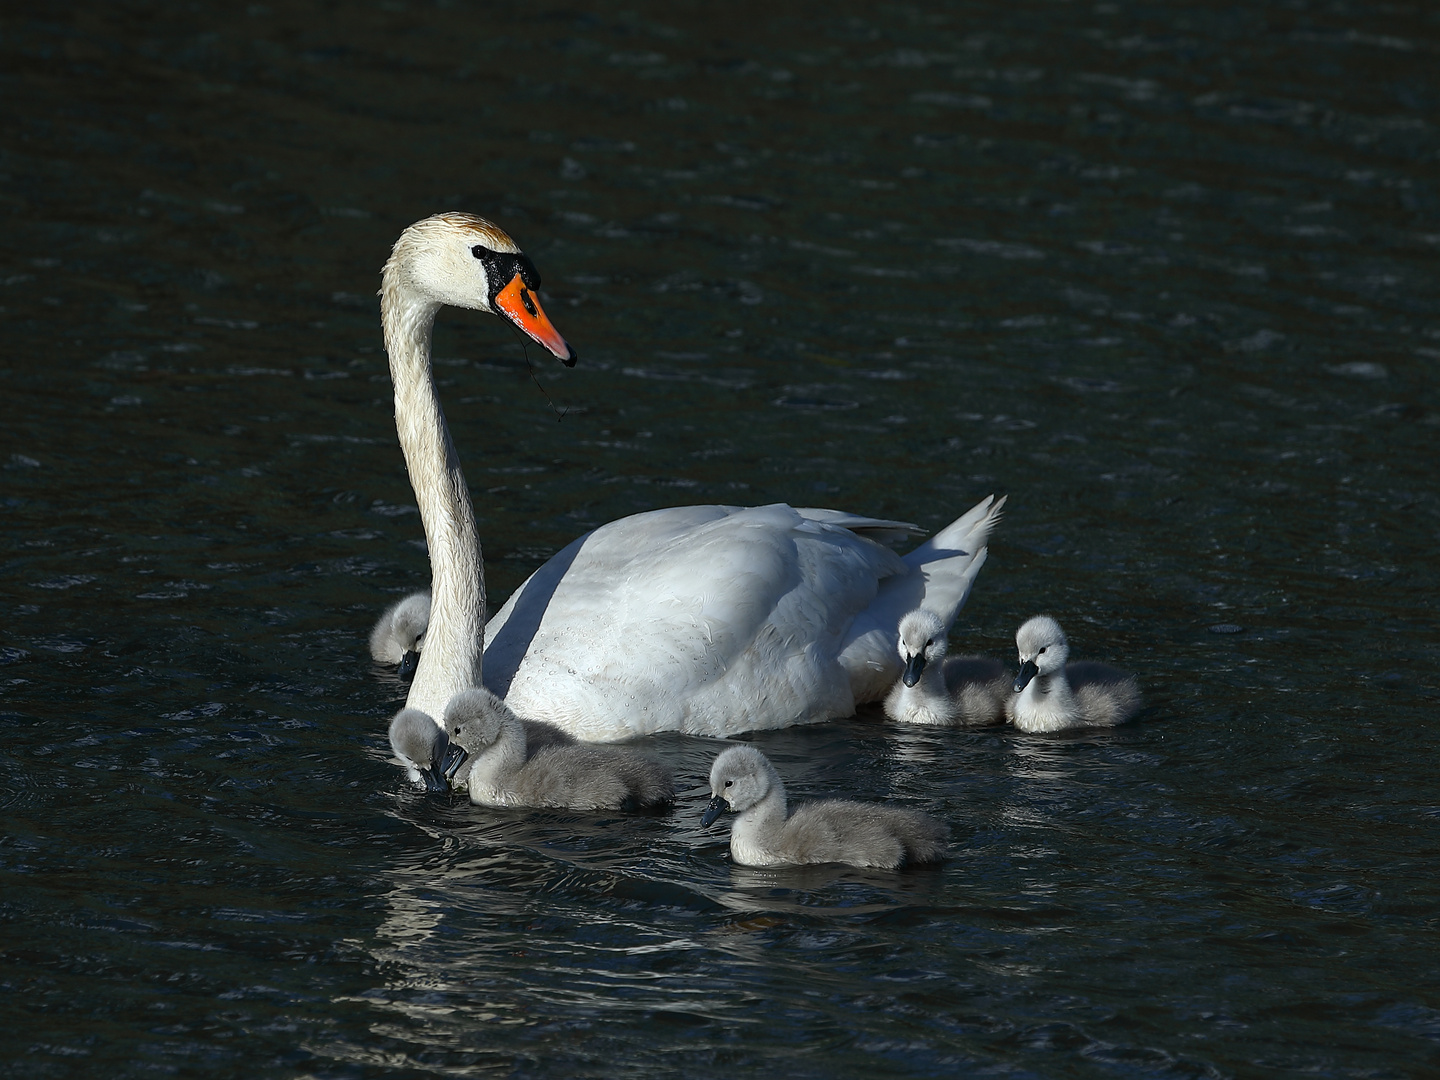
729,782
1042,650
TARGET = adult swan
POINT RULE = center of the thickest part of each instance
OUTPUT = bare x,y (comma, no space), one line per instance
709,620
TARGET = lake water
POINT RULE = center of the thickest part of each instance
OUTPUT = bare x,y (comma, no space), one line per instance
1165,274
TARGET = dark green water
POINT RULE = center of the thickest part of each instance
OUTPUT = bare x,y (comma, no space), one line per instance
1165,274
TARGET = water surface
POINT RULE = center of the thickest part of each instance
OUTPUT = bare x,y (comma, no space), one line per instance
1165,274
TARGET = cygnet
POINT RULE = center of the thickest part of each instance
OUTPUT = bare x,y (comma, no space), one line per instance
1052,695
399,633
421,746
963,691
538,734
577,776
833,830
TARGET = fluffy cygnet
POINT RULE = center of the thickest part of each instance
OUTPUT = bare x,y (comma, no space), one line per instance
574,776
1052,695
421,746
538,734
833,830
963,691
400,632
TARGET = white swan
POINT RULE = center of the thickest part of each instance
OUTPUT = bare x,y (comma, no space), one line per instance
963,691
399,634
832,830
704,619
1052,695
504,771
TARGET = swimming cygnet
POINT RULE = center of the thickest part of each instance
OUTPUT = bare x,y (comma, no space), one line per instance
833,830
577,776
399,633
963,691
421,746
1052,695
538,734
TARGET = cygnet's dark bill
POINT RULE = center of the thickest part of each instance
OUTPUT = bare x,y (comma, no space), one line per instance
1028,671
717,806
522,307
454,758
408,663
913,667
433,780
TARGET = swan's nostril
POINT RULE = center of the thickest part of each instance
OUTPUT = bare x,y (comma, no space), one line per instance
529,304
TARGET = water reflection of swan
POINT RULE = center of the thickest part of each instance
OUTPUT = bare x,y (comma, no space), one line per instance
1052,695
702,619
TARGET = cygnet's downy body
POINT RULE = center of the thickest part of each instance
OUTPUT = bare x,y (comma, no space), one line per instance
1053,695
962,691
421,745
831,831
399,634
573,776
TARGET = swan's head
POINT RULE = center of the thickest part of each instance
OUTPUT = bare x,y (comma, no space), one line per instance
1043,649
465,261
474,719
420,744
740,778
922,641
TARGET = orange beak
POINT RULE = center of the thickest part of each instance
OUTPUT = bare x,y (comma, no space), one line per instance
522,307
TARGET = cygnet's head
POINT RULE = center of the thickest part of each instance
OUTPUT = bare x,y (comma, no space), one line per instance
922,641
421,744
408,625
468,262
740,778
1042,647
473,720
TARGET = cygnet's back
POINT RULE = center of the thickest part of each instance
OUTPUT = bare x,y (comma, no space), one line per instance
574,776
399,633
962,691
832,830
421,745
1053,694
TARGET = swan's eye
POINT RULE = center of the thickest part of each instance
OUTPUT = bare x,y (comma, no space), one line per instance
478,251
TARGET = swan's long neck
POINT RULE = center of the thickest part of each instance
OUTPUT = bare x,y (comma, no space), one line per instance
451,659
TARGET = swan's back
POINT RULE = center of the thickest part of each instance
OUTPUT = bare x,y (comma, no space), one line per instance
744,618
581,777
861,834
1105,695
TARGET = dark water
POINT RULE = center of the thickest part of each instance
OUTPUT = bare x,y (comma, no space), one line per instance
1166,274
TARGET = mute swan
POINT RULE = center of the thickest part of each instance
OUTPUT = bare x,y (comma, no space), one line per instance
420,746
963,691
1053,695
538,734
834,830
574,777
399,633
702,619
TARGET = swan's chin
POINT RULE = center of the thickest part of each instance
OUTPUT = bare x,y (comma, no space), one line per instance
522,307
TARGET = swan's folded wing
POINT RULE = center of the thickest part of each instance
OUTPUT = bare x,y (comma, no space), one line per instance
710,620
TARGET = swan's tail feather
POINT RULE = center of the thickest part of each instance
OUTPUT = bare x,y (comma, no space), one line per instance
944,569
